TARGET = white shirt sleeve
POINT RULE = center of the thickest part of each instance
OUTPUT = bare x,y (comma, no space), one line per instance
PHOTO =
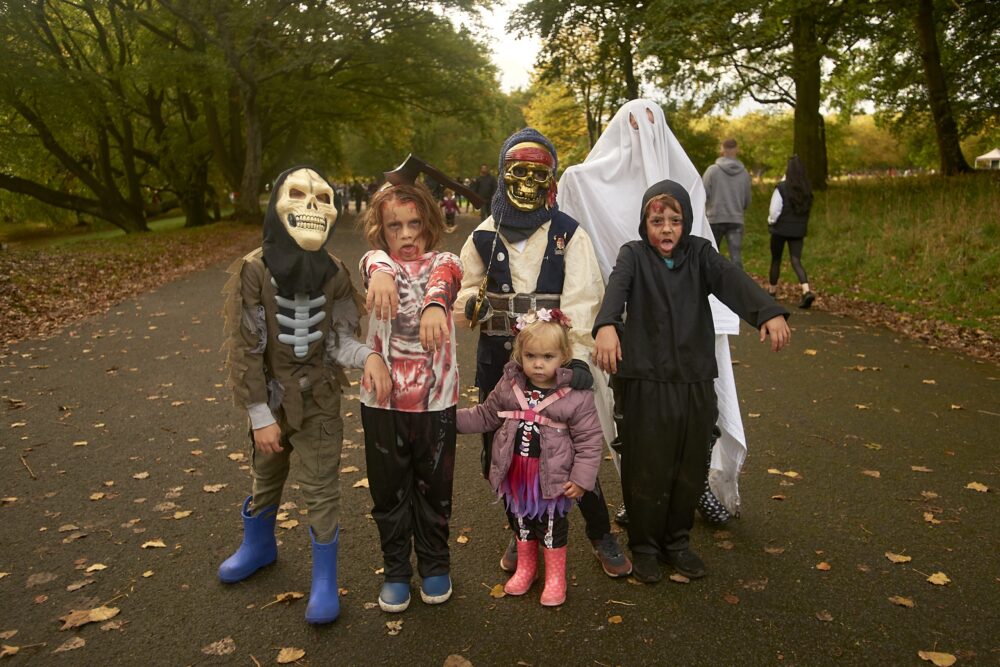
775,209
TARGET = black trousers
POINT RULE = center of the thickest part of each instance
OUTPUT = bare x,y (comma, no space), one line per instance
491,356
552,532
411,467
665,438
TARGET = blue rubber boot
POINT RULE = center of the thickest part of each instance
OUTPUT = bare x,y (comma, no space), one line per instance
258,549
394,596
324,600
435,590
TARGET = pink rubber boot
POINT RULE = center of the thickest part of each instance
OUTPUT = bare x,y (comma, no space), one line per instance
527,568
554,593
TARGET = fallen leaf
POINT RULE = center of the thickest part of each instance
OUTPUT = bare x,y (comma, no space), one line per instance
929,518
976,486
222,647
725,544
77,585
79,443
462,539
347,469
792,474
65,528
78,617
70,645
679,578
96,567
183,514
955,406
395,627
775,551
288,525
154,544
147,574
96,496
861,406
928,495
455,660
939,659
288,596
614,620
920,469
72,537
7,651
753,415
939,579
213,488
40,578
874,446
810,352
497,591
872,473
361,483
113,625
236,456
824,616
7,634
141,475
774,471
897,558
902,602
287,655
823,565
731,599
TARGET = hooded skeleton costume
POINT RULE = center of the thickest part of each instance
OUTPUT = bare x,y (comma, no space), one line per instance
668,369
526,267
636,150
291,324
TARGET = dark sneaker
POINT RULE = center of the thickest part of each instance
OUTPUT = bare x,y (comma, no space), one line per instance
508,562
613,560
685,562
807,300
621,516
646,568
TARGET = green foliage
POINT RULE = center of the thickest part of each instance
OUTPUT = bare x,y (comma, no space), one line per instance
922,245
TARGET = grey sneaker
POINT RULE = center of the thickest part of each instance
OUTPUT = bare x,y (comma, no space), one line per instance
613,560
508,562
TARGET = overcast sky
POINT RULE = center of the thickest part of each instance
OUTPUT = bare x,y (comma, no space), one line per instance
513,57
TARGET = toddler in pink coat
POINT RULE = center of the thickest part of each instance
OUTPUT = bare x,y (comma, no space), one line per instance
547,447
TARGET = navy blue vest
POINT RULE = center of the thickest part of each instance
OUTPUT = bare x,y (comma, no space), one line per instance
550,277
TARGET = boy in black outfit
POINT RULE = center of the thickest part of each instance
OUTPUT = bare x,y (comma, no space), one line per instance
668,369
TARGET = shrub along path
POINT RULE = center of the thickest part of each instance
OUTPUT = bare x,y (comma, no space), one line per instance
125,465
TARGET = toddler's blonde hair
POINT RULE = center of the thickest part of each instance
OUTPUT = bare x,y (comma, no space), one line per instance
548,334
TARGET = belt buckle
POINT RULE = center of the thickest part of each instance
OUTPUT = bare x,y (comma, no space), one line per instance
527,299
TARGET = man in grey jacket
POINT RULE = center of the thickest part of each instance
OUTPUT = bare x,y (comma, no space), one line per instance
727,189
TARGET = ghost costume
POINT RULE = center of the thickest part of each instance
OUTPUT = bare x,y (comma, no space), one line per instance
604,194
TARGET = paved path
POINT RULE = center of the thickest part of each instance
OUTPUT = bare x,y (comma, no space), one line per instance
131,405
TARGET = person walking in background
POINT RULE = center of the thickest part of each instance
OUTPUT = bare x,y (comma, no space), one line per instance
485,186
787,220
727,188
450,206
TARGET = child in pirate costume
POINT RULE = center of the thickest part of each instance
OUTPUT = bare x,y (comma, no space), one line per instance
410,434
663,355
291,325
547,448
525,267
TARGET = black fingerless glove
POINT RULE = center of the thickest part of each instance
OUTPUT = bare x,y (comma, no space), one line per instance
484,312
582,377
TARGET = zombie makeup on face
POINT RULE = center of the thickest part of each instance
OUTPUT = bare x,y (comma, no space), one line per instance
403,230
664,224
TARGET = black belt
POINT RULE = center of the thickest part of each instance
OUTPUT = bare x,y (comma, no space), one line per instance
505,309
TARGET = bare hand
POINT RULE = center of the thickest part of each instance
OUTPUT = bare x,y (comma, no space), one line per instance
375,377
607,349
433,328
572,490
777,329
382,298
267,439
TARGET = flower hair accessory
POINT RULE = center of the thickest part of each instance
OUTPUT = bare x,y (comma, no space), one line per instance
541,315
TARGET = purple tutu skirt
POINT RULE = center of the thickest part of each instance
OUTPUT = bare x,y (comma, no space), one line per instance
522,492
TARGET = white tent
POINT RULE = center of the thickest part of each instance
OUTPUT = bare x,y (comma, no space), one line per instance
990,160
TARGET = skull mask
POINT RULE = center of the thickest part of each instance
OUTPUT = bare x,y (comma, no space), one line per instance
305,207
528,176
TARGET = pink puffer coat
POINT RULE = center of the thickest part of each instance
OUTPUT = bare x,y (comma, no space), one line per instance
569,454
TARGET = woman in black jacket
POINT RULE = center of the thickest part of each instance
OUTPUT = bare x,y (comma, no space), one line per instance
787,221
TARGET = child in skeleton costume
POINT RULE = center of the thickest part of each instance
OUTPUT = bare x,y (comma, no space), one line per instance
636,150
410,435
524,267
291,322
664,358
547,447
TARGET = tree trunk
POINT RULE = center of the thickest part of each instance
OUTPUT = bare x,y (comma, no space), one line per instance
248,202
945,128
810,136
114,210
193,199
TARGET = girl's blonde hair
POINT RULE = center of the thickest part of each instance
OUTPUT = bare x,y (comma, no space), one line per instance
419,196
548,334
